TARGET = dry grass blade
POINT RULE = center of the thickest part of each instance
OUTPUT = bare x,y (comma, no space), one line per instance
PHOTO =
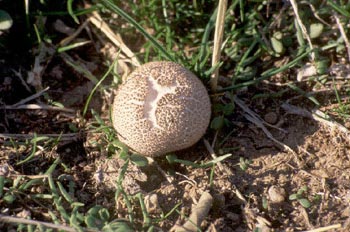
213,155
326,228
96,19
302,27
252,117
317,115
224,169
343,34
36,95
218,37
68,39
38,107
19,75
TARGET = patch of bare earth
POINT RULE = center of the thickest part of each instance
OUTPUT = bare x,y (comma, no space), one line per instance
258,196
320,162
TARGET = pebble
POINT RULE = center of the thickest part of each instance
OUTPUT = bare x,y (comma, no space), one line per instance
277,194
152,204
271,117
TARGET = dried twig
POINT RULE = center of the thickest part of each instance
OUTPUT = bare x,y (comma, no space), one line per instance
343,34
19,75
68,39
254,118
97,20
79,66
326,228
314,11
213,155
38,107
302,27
218,36
36,95
41,61
316,115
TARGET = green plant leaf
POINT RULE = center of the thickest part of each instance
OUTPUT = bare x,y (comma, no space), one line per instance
118,226
216,160
217,123
303,188
316,30
304,202
293,196
265,203
9,198
276,42
228,109
243,163
139,160
5,20
322,66
104,214
94,210
93,222
93,218
171,158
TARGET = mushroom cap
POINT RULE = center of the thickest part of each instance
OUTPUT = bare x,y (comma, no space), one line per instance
161,107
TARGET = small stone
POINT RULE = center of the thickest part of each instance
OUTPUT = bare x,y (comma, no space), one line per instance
4,170
152,204
276,194
271,118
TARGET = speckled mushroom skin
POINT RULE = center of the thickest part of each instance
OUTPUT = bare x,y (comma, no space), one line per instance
162,107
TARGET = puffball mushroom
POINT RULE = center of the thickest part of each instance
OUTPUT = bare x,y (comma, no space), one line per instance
161,107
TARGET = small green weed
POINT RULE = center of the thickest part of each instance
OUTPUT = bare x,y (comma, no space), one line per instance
300,197
244,163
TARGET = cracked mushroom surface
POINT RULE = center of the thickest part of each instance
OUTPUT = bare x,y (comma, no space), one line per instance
162,107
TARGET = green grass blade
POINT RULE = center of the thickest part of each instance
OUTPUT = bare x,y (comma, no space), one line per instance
53,166
72,46
2,182
110,5
64,192
57,199
71,12
30,156
267,73
338,8
146,217
203,55
96,86
303,93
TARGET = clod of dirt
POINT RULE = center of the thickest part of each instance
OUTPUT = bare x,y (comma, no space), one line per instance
271,118
162,107
277,194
